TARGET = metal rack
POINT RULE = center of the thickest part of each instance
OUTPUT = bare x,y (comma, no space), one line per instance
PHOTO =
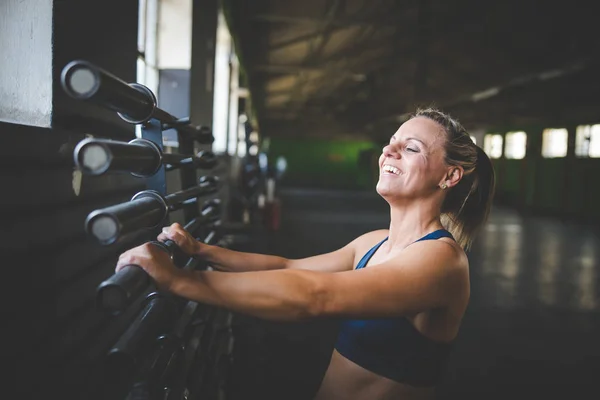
155,356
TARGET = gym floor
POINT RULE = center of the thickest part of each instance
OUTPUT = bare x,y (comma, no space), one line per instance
531,331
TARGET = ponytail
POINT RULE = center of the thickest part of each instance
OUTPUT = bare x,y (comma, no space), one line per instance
467,206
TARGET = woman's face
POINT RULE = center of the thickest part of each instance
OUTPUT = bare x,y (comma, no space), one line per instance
412,164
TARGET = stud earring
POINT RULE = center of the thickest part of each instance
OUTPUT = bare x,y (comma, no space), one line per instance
444,186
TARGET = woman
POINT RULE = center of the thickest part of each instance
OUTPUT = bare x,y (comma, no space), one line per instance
401,292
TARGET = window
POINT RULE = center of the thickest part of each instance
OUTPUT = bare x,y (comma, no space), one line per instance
554,143
222,86
174,41
587,141
147,72
516,143
492,145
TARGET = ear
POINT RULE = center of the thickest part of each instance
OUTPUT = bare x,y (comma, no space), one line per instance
453,176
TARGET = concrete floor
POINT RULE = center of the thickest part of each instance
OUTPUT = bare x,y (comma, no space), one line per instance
532,330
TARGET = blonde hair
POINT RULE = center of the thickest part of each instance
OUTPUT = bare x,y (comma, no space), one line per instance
467,205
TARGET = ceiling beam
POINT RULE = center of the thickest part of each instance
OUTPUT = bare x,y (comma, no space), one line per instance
297,39
375,22
514,83
340,22
287,68
354,52
317,44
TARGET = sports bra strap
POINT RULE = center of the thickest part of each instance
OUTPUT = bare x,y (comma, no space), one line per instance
440,233
365,259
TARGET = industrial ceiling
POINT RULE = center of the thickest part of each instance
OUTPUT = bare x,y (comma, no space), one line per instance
333,68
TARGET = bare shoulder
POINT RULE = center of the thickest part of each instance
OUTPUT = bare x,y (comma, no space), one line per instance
442,256
365,242
441,265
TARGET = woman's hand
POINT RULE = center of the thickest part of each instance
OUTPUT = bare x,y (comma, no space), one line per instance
182,238
155,261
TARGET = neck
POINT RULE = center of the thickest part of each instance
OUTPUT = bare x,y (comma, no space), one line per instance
412,220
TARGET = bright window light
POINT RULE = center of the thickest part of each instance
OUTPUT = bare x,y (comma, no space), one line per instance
587,141
516,144
492,145
554,143
146,70
174,44
223,51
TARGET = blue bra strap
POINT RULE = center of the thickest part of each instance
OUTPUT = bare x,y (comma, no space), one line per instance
365,259
440,233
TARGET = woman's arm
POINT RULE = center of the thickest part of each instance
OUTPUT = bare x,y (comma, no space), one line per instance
427,276
218,257
235,261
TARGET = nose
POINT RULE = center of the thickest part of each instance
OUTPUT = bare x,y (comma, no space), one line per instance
391,151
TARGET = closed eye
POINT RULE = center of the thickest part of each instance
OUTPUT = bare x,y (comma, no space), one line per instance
412,150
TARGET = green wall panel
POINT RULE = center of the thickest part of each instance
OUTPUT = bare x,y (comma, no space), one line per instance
327,163
550,184
511,181
589,171
575,187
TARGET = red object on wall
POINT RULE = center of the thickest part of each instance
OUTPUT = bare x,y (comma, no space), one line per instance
272,214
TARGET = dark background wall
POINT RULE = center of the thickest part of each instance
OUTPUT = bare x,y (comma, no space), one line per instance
561,187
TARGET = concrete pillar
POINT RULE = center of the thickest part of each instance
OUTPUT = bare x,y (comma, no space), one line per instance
26,62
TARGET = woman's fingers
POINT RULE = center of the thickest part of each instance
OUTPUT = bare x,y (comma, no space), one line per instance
180,236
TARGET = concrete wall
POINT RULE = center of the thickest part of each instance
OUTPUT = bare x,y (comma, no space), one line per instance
26,62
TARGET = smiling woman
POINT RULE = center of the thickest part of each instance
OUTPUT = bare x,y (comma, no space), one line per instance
432,141
401,292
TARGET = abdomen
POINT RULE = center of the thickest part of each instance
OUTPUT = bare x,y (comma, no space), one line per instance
345,380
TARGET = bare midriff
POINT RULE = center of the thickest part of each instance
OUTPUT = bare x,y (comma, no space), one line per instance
345,380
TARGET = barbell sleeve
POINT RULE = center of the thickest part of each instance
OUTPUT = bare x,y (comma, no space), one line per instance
204,159
118,291
201,134
206,185
145,210
158,314
83,80
140,157
133,102
210,213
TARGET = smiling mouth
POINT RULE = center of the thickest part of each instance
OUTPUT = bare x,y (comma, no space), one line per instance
390,169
